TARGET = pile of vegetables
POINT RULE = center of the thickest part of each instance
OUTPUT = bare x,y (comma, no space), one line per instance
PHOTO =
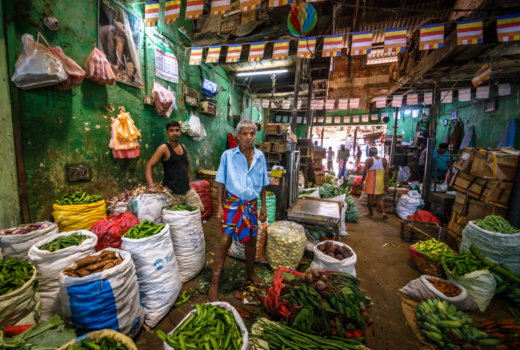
447,288
432,249
306,192
144,229
63,242
269,193
352,213
442,324
77,198
331,191
182,207
506,330
23,229
319,235
461,264
496,224
335,251
93,263
98,344
211,327
14,273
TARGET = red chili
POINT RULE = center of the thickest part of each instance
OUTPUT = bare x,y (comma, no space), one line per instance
11,331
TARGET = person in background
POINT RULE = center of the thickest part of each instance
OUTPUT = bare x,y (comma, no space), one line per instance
343,156
243,174
421,164
441,160
358,155
176,167
377,175
330,159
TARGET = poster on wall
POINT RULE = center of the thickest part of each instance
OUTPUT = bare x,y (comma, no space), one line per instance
337,120
320,120
166,65
119,37
355,119
364,118
374,117
328,120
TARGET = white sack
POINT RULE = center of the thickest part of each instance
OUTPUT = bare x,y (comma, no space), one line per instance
17,246
408,204
21,306
238,250
480,284
342,226
323,262
149,206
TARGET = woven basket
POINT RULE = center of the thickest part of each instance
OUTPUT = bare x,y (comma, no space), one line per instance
425,265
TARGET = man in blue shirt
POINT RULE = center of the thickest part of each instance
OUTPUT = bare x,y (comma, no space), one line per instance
441,160
243,174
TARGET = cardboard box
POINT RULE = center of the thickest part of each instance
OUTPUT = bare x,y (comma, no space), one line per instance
474,209
280,147
490,191
495,165
283,128
272,129
266,146
465,160
319,152
319,178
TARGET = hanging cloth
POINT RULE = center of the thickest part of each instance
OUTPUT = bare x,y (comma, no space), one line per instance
467,141
508,137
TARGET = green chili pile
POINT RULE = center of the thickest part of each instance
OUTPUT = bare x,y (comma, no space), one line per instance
78,198
103,343
496,224
14,273
144,229
64,242
182,207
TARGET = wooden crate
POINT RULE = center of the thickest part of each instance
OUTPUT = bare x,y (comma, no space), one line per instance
414,231
280,147
272,129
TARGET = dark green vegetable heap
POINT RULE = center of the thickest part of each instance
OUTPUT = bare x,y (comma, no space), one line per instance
64,242
461,264
14,273
98,344
182,207
78,198
212,327
144,229
331,191
496,224
306,192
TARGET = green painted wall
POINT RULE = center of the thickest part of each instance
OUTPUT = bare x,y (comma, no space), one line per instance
74,126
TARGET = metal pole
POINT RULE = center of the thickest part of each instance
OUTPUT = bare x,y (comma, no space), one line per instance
294,112
514,202
355,142
394,137
308,111
427,177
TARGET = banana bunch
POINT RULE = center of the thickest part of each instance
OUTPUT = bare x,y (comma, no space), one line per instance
443,325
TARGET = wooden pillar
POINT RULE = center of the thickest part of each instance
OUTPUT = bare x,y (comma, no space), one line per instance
294,112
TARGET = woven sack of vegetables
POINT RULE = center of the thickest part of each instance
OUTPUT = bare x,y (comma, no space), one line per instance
496,239
188,241
157,273
479,284
81,213
112,340
285,244
19,300
51,256
110,229
149,206
106,299
270,200
344,259
15,242
238,250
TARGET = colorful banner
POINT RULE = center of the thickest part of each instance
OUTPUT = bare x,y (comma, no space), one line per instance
196,56
464,94
313,105
172,10
256,51
470,32
483,92
286,104
483,74
412,99
306,47
220,7
332,45
343,104
508,28
337,120
354,103
151,13
280,50
446,96
194,9
361,43
428,98
320,104
395,40
431,36
380,101
265,103
330,104
213,54
374,117
257,102
276,3
397,100
233,53
299,104
249,5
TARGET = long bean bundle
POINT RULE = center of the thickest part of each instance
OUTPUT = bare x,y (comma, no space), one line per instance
495,223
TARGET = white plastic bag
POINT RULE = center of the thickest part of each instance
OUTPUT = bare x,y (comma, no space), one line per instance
408,204
188,241
157,273
403,174
342,226
149,206
18,245
103,300
50,264
240,323
195,128
37,66
238,250
323,262
480,284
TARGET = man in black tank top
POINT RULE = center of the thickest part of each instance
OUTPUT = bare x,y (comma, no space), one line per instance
176,166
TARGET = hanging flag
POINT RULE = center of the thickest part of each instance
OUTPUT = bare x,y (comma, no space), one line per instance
299,104
395,40
332,45
220,7
249,5
213,54
280,50
233,53
361,43
306,47
313,105
256,51
265,103
194,9
286,104
504,89
172,10
343,104
483,92
431,36
508,28
412,99
380,101
151,13
195,56
276,3
465,94
397,100
428,98
483,74
330,104
446,96
470,32
354,103
320,104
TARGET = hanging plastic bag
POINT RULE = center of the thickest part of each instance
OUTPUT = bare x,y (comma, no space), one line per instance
78,216
196,130
75,74
17,245
162,98
324,262
37,66
149,206
403,174
97,68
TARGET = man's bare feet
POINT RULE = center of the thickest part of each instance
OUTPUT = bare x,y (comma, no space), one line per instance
385,217
213,292
257,281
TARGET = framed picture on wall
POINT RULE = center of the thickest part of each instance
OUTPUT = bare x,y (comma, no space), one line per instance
328,120
374,117
320,120
337,120
364,118
355,119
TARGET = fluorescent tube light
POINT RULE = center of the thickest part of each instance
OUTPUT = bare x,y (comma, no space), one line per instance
262,72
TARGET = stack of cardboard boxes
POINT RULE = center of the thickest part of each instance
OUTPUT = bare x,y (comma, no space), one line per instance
276,138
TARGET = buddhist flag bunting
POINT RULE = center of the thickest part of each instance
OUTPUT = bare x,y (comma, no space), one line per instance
257,103
380,101
332,45
508,28
354,103
446,96
233,53
397,101
172,10
428,98
412,99
395,40
330,104
306,47
343,104
314,0
256,51
213,54
280,50
286,104
195,56
320,104
249,5
299,104
470,32
483,92
431,36
465,94
151,13
276,3
361,43
265,103
194,9
483,74
313,105
220,7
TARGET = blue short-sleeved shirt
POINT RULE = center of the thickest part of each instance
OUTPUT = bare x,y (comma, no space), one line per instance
244,183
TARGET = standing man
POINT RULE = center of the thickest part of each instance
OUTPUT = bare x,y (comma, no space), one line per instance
377,175
358,155
330,159
343,155
243,174
176,167
441,160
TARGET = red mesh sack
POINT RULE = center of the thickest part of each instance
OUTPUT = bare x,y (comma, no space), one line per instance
424,216
203,189
110,229
271,301
98,69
